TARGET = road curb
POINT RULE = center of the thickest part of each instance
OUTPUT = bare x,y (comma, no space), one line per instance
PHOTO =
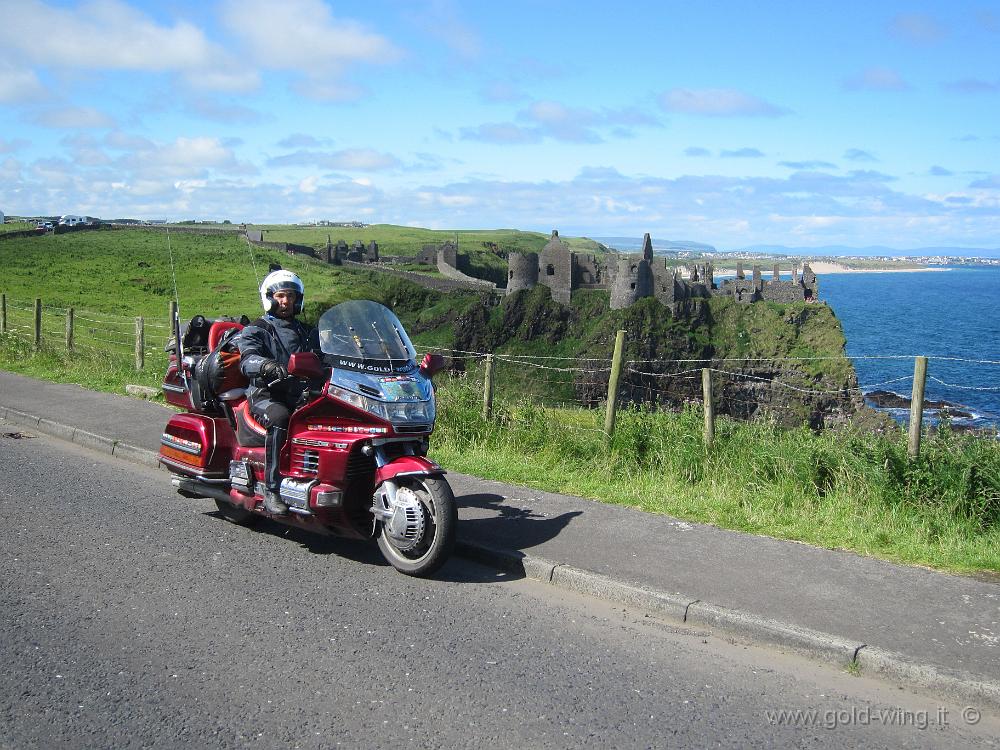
829,649
959,686
804,641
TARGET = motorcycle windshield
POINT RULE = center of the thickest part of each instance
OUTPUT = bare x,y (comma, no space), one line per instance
364,335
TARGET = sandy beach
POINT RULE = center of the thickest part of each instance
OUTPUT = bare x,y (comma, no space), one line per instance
825,267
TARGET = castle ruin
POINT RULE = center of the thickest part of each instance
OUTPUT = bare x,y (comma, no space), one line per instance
629,278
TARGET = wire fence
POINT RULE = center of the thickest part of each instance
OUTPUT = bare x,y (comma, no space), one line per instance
778,387
55,327
791,390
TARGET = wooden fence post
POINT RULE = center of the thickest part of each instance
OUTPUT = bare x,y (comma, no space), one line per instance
706,392
140,343
3,313
616,372
38,324
488,388
917,405
69,329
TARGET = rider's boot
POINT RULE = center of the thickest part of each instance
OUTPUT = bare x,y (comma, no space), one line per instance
272,450
274,504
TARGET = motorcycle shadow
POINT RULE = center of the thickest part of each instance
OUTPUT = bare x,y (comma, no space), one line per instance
357,550
507,527
365,552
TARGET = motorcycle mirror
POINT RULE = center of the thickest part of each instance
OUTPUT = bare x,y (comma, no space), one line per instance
305,365
431,365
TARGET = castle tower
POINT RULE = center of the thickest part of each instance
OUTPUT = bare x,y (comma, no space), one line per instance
633,280
758,282
522,272
555,268
776,274
664,285
810,283
647,248
739,270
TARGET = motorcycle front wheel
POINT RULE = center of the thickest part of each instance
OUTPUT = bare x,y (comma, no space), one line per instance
440,517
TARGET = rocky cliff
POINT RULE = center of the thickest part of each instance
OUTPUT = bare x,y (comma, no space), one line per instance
782,360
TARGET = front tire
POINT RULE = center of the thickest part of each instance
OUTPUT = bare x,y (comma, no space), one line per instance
441,519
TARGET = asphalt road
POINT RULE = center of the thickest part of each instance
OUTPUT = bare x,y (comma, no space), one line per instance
132,617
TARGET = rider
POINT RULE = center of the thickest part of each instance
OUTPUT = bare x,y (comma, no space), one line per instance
265,348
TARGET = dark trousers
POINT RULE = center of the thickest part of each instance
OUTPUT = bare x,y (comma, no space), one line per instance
274,416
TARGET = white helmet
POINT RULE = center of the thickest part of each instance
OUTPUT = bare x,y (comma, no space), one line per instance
275,282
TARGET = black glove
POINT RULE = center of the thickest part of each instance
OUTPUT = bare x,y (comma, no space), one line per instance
272,372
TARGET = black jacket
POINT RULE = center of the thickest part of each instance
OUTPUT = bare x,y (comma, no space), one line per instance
275,339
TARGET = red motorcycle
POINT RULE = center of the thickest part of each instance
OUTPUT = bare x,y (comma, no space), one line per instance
355,462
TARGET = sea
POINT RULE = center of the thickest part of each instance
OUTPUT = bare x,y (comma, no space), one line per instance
949,316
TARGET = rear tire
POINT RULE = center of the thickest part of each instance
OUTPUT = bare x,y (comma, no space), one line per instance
236,514
441,513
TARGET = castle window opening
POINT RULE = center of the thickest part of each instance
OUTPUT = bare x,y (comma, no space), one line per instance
550,270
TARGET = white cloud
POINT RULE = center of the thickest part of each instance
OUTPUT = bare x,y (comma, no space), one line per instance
303,37
111,35
857,154
183,160
302,140
213,109
308,185
351,159
10,172
501,133
973,86
718,103
741,153
501,91
74,117
441,19
877,79
561,122
917,27
18,84
125,142
14,144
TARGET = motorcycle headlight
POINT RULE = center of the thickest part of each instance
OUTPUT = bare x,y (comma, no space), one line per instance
390,411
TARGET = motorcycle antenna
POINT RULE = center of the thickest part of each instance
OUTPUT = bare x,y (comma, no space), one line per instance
176,322
253,261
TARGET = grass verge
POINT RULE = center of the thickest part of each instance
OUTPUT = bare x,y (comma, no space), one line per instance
841,490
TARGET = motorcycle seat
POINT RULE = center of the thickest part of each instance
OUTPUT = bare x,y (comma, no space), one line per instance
249,432
233,394
219,327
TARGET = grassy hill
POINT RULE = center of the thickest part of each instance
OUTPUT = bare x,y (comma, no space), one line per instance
397,240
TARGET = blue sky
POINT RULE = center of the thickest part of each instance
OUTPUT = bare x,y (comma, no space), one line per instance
730,123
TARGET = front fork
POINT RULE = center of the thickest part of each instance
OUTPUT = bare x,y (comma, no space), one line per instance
409,462
388,488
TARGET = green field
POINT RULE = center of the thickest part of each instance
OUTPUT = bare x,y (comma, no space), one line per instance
844,489
15,226
397,240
